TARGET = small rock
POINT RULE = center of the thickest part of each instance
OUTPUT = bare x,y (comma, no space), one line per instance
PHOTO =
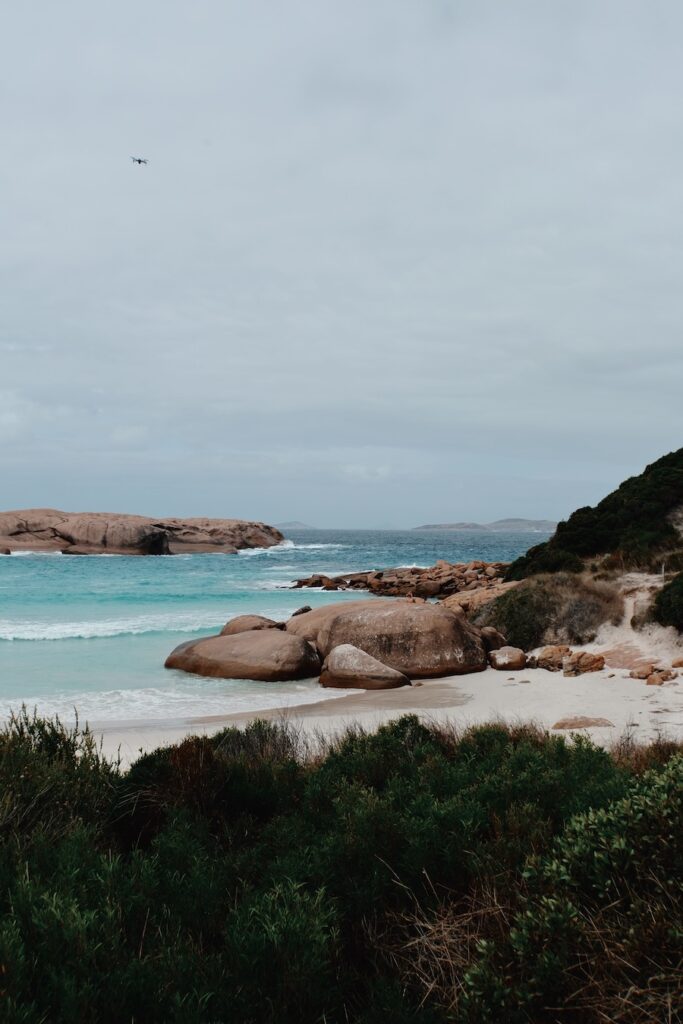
510,658
580,662
552,658
493,640
581,722
301,611
677,663
642,673
660,677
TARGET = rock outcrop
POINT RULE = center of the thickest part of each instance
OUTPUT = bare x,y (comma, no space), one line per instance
269,655
87,533
348,667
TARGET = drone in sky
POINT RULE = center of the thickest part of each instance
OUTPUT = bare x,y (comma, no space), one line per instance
139,160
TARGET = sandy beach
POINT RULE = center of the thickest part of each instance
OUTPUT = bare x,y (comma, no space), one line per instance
549,699
531,695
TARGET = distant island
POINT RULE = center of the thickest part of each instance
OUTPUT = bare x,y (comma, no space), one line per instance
500,526
92,533
294,524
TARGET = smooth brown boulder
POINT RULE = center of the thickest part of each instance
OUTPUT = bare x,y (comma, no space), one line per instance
419,640
270,655
552,658
245,623
348,667
660,677
493,639
580,662
677,663
507,658
87,533
643,672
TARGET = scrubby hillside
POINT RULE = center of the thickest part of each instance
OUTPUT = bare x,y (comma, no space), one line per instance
637,525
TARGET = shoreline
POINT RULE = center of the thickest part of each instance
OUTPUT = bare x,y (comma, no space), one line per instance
531,695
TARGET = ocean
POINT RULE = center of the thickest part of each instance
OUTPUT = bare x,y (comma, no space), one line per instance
88,635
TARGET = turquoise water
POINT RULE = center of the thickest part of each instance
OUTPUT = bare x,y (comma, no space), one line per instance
91,633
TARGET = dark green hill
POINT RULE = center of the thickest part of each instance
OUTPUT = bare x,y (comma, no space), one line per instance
633,525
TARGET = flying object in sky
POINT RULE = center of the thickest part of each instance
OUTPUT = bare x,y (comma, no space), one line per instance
139,160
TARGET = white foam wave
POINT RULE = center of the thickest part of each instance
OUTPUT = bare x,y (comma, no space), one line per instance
34,554
287,546
158,704
176,623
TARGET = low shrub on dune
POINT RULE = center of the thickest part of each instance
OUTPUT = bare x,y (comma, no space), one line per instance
553,609
668,605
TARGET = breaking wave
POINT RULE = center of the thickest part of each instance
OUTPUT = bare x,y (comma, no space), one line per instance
287,546
177,623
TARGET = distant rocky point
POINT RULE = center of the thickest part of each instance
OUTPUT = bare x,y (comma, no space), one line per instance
294,524
91,533
500,526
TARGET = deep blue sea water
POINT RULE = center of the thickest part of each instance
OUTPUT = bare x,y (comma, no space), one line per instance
91,633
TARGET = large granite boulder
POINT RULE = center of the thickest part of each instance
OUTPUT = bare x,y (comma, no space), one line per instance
307,624
270,655
348,667
86,533
246,623
420,640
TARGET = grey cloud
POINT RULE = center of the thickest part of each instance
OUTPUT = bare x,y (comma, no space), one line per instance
389,262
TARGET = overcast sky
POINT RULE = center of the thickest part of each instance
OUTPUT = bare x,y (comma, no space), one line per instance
391,261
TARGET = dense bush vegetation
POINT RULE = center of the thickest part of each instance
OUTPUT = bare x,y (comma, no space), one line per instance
668,605
552,609
244,878
632,524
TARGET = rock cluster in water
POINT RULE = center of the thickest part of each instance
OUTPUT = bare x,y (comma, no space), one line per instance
88,533
440,580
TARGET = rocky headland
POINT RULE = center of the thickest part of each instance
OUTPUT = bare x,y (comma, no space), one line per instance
91,533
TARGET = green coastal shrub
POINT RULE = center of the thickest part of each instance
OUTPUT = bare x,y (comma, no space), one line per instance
668,605
600,930
247,877
552,609
633,524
